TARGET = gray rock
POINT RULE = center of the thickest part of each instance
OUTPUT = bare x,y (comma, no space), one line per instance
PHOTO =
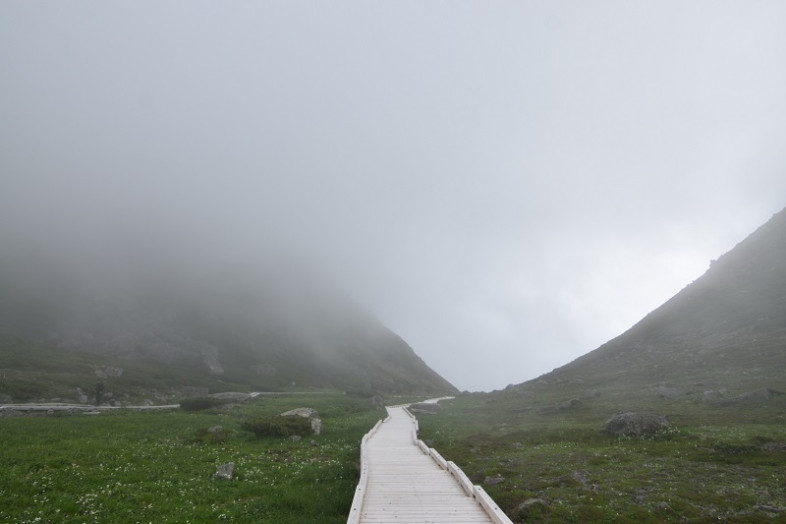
494,480
215,429
295,438
774,446
81,396
667,392
225,471
301,412
425,408
526,508
712,396
309,413
762,394
636,424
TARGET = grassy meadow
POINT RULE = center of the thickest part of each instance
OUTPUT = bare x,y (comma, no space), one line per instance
159,466
716,464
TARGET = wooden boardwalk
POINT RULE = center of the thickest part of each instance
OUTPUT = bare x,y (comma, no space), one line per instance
403,481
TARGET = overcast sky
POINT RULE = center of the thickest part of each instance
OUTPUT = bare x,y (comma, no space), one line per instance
507,185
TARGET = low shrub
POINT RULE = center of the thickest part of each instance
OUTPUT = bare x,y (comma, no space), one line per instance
278,426
201,403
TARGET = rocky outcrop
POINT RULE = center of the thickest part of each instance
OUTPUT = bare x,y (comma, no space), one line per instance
633,424
309,413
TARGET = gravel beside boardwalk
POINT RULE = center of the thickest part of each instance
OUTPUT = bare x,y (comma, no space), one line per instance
407,486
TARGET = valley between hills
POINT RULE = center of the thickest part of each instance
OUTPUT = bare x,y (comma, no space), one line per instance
709,363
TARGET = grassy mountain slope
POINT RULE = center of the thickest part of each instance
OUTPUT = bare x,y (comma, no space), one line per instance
268,327
725,331
712,359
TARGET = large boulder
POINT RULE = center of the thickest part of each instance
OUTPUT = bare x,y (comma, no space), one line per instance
633,424
309,413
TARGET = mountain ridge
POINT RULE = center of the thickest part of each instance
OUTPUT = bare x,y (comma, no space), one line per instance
270,326
725,330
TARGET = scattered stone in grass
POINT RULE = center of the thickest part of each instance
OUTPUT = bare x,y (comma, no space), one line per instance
225,471
295,438
530,507
314,443
634,424
759,395
663,507
582,477
774,446
640,496
518,445
713,396
215,429
668,393
770,509
494,480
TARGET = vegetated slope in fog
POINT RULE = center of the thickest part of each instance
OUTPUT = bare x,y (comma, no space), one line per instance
727,329
267,323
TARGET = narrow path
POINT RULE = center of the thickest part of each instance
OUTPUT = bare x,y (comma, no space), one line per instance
406,485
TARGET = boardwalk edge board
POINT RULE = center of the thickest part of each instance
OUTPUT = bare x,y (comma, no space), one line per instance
476,492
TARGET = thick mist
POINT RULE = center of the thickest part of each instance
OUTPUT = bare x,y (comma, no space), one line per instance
505,188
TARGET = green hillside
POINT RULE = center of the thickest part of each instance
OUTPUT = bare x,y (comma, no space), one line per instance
712,360
151,331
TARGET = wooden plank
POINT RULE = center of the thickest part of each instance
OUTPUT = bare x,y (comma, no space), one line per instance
403,480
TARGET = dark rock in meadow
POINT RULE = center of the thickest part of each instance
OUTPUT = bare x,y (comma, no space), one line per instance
761,395
667,392
582,477
494,480
225,471
529,506
712,396
425,408
774,446
663,507
640,496
314,443
633,424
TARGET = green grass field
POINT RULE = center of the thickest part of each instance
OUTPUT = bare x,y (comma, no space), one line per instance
159,467
713,466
